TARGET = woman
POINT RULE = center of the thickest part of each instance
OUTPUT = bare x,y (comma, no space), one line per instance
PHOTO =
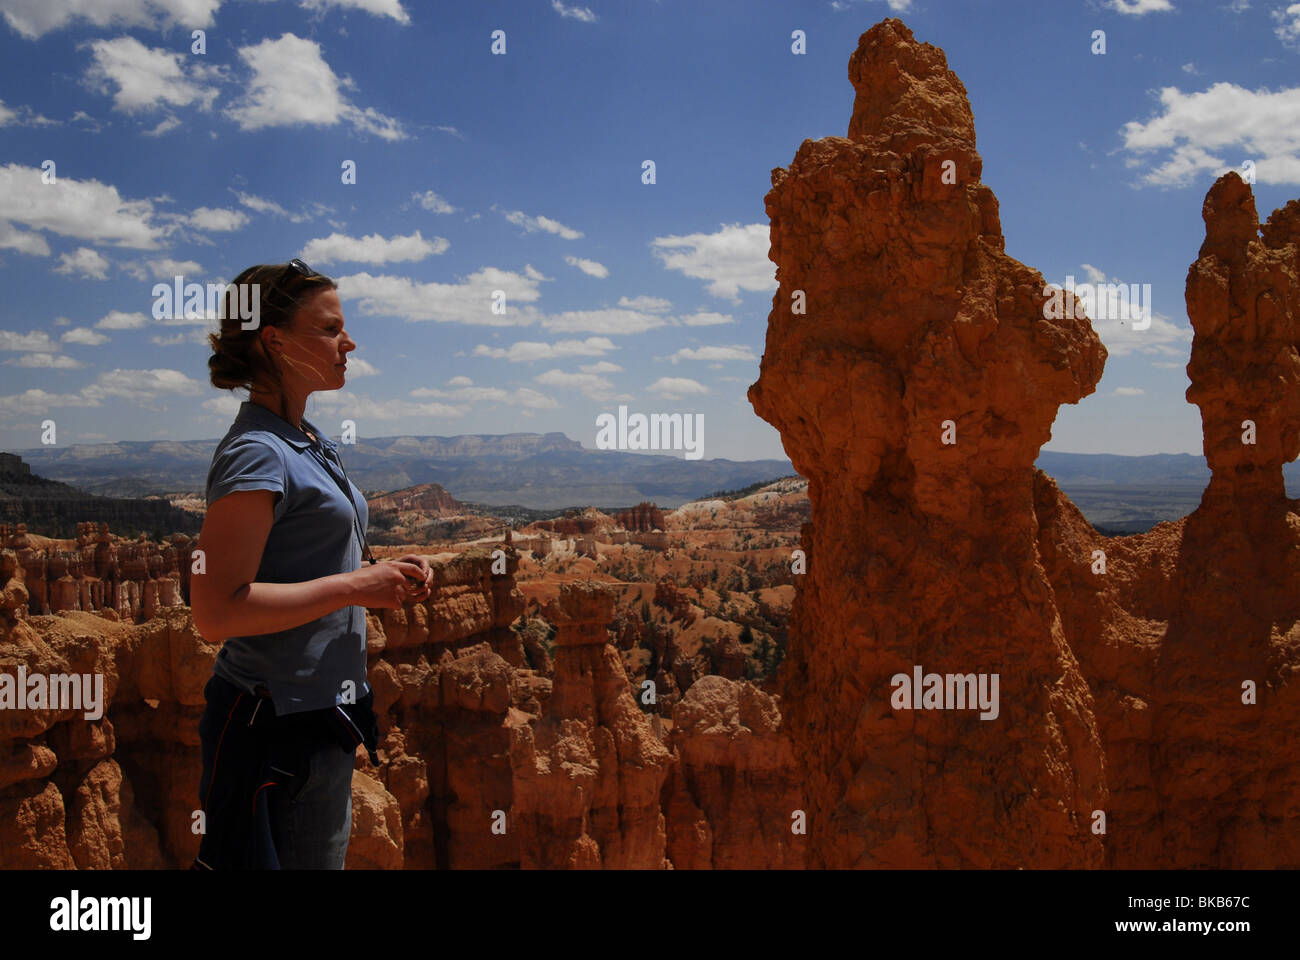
280,584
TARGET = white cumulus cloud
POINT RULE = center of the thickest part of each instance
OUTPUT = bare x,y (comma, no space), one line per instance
673,387
574,12
292,84
540,224
1138,8
1288,25
589,267
84,336
468,301
372,248
34,18
380,8
85,263
732,259
145,78
526,351
432,202
84,209
736,351
1217,130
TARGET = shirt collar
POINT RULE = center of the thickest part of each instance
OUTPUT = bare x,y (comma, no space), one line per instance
257,414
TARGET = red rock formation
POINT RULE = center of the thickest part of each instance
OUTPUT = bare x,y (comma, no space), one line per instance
424,514
644,517
962,558
428,498
589,772
65,800
134,579
574,523
674,601
733,797
450,680
664,666
922,552
1188,613
120,791
1242,298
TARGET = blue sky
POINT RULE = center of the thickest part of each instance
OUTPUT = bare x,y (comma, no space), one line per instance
523,172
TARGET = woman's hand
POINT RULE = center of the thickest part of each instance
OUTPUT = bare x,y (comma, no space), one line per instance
422,591
388,585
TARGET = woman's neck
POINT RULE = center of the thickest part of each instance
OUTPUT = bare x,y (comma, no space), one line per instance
289,409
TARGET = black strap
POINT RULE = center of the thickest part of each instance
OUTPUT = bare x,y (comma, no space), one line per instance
356,524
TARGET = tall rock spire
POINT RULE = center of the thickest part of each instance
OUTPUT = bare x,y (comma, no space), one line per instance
1243,298
913,376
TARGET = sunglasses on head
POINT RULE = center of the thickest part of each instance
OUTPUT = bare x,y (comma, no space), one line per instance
294,269
297,266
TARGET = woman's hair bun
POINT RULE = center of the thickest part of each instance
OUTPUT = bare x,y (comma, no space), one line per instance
239,361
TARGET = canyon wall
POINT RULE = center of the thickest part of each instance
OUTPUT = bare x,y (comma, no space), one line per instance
128,580
491,755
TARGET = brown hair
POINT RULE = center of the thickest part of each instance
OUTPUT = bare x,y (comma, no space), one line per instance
239,361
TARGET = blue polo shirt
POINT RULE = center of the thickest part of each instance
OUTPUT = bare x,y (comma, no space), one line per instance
313,535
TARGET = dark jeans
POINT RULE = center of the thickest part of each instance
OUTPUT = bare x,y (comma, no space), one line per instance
307,781
311,818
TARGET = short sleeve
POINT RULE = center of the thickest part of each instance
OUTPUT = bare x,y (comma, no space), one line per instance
246,464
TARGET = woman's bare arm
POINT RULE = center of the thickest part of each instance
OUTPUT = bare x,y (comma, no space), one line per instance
226,602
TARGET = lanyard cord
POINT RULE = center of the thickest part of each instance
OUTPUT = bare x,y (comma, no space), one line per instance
356,523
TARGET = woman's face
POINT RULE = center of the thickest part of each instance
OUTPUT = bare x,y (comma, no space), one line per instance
315,349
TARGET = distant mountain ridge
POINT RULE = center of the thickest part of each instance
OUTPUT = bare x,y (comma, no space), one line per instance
1165,469
547,470
534,470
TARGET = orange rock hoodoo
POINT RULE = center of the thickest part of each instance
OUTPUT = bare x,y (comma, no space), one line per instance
1121,693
